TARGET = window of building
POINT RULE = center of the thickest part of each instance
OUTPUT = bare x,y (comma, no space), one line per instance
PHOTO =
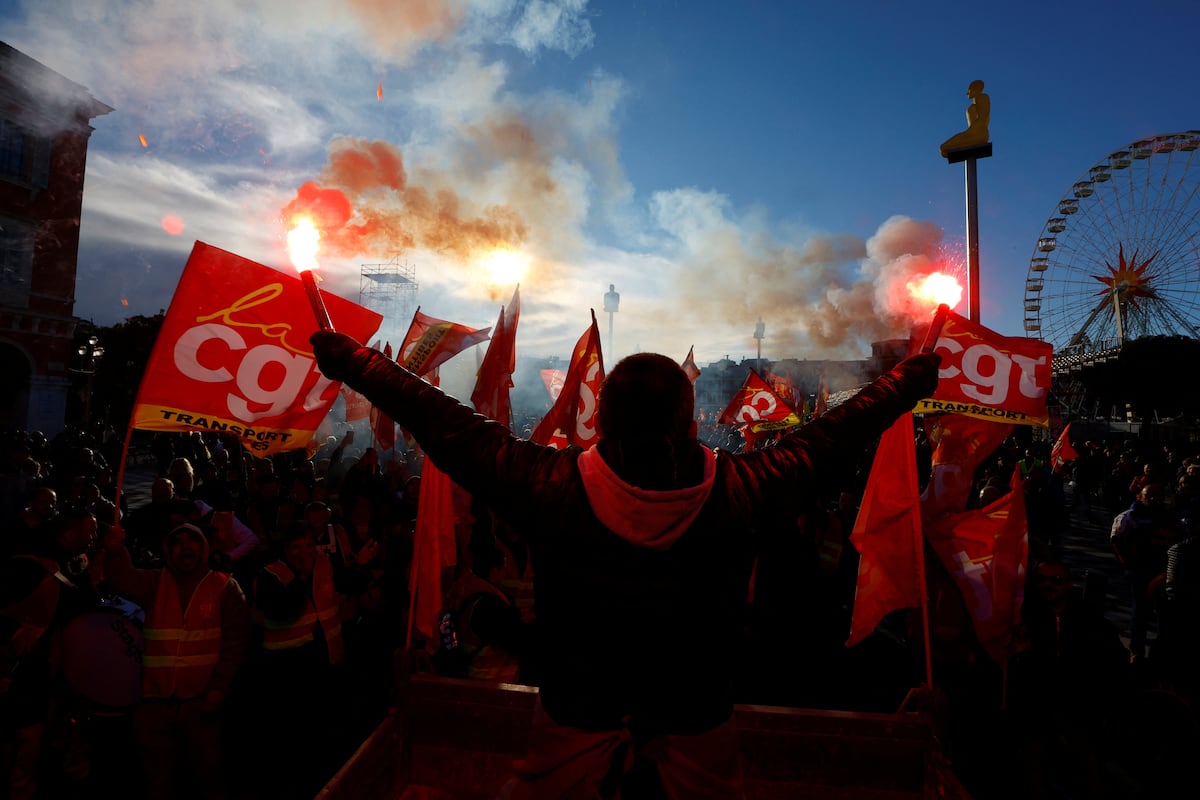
16,261
24,157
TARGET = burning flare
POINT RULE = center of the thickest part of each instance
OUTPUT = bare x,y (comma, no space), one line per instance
303,240
142,139
935,289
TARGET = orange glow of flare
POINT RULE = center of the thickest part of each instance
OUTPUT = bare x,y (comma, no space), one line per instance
505,267
379,91
936,288
142,139
124,301
303,241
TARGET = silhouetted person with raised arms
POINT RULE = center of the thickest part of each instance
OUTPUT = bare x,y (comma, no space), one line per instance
641,549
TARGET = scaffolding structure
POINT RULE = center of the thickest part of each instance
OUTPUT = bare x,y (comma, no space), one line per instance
389,288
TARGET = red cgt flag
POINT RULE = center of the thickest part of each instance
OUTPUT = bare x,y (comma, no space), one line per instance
572,420
431,342
491,394
985,551
553,380
993,377
757,405
233,355
960,445
887,534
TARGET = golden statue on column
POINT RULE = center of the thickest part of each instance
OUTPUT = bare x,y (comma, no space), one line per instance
979,113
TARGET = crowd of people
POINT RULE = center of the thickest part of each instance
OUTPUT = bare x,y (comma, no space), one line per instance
236,632
231,634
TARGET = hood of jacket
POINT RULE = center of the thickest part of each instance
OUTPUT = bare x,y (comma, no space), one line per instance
650,519
186,529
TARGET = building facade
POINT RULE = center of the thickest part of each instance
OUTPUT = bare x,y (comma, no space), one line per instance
44,131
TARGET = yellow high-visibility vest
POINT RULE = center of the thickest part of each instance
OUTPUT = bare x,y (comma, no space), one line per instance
322,608
182,645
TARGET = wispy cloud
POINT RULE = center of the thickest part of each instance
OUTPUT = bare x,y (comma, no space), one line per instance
251,110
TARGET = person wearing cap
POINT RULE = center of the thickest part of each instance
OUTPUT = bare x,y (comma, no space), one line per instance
642,548
197,632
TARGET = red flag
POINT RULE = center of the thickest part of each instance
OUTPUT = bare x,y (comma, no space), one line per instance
689,365
233,355
783,386
822,402
960,445
887,533
572,420
431,342
985,551
1062,452
357,406
553,379
757,405
433,548
986,375
491,397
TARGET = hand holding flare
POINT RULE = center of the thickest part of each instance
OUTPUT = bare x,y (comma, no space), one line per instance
302,247
935,328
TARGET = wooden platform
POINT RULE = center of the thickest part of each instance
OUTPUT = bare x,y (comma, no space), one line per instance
457,739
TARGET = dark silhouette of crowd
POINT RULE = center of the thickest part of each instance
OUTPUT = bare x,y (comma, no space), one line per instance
282,584
230,635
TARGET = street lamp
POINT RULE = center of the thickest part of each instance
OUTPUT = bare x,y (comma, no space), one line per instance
90,354
612,299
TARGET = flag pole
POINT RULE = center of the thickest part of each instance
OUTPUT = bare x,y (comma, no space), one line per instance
407,333
919,555
121,471
412,600
928,343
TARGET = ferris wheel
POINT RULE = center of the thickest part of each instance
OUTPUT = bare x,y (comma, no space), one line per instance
1119,258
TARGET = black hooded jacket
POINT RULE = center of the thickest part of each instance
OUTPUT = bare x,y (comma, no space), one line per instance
638,615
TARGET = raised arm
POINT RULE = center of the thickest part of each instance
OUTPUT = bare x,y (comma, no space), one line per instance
480,455
820,453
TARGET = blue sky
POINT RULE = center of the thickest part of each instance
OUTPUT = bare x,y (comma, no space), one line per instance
716,161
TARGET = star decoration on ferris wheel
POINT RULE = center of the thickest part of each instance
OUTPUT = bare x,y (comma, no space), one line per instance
1128,277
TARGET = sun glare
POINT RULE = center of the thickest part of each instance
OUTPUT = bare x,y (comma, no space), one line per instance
505,267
